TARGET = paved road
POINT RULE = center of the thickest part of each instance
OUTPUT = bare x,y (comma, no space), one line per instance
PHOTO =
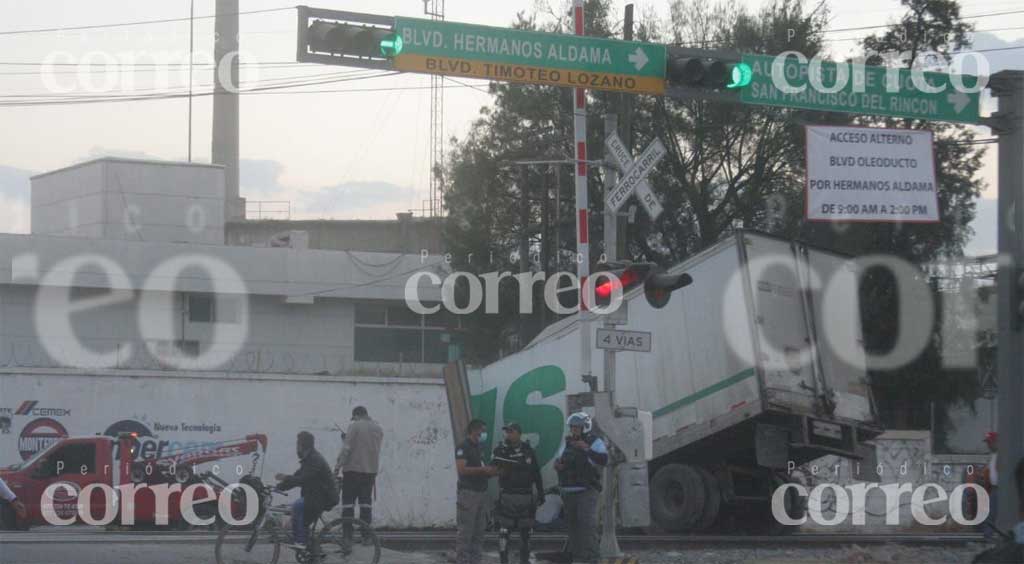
149,553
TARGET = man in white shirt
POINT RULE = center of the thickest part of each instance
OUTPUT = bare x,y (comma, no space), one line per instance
8,496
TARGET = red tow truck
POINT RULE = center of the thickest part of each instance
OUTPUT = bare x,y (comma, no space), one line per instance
77,463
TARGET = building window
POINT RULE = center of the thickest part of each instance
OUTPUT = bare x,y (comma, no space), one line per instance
394,333
200,308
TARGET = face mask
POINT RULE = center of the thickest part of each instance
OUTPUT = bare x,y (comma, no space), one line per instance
483,437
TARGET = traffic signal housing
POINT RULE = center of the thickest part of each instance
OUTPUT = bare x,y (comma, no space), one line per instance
658,285
347,38
353,40
704,73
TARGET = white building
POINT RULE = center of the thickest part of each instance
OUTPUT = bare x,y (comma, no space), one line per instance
124,307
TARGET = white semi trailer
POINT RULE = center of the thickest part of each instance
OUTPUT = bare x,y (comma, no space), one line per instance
758,364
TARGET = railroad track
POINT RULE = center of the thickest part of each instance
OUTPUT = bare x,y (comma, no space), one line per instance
428,540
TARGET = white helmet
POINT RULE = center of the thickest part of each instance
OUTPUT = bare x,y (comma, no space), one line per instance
580,419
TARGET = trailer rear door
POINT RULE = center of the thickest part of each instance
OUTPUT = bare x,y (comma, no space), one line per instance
781,331
837,325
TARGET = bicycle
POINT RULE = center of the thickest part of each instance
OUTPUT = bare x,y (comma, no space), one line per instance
262,541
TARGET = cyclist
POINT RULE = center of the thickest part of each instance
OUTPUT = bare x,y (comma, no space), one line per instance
319,492
19,508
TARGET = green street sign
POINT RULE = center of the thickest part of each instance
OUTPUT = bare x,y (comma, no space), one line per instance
863,90
476,51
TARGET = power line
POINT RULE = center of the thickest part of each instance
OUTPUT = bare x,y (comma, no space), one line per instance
141,22
974,17
168,96
179,88
269,90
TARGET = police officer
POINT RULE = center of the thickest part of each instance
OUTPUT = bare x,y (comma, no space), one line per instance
579,465
519,474
471,504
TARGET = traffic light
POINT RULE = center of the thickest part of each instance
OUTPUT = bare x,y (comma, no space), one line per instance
333,37
658,287
714,74
353,40
623,277
618,277
703,73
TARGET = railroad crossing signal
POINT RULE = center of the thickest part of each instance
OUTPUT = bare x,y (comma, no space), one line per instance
634,175
623,277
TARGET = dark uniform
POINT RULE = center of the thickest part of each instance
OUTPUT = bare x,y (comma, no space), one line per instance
517,502
471,506
580,482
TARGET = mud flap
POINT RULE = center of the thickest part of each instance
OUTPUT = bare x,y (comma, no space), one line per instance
771,443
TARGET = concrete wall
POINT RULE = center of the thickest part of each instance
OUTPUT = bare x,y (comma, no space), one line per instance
131,200
279,338
416,485
407,235
905,457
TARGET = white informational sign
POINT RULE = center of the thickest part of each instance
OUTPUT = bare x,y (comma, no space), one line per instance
870,174
613,339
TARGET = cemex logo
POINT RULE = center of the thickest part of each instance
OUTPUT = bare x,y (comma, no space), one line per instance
29,408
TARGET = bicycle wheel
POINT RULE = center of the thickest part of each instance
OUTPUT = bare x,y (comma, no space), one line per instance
363,548
246,546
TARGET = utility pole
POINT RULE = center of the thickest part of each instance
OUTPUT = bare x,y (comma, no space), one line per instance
225,150
1008,124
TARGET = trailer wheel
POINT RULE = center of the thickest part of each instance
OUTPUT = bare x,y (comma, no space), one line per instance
677,497
712,500
762,521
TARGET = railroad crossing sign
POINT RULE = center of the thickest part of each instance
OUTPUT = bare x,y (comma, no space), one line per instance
865,90
616,340
492,53
634,175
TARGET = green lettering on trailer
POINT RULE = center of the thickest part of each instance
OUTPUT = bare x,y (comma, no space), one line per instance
548,421
717,387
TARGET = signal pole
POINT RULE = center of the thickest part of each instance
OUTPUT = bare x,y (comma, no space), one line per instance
609,539
1008,124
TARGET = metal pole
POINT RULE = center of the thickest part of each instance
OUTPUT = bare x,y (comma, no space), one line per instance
545,225
609,540
524,240
626,132
1008,86
582,204
191,60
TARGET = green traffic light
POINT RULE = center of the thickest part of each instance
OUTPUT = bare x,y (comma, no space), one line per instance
742,75
391,46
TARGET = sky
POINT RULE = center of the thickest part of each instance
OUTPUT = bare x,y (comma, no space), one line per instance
337,154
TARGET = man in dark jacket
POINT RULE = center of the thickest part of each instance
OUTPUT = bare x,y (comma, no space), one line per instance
318,490
519,475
